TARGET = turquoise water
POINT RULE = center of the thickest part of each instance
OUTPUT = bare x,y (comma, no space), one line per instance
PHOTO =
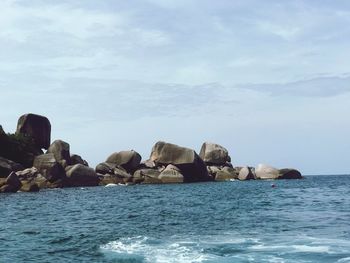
298,221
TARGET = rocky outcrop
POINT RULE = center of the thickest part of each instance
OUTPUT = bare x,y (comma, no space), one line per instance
226,174
11,185
246,173
8,166
36,126
77,159
147,176
186,160
214,154
48,166
289,173
128,160
171,174
81,175
105,168
60,150
265,172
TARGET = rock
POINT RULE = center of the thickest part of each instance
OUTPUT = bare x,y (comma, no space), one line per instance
81,175
8,166
11,185
60,150
246,173
110,179
212,153
264,172
49,167
226,174
147,176
129,160
76,159
29,187
147,164
38,127
105,168
2,131
171,174
289,173
187,160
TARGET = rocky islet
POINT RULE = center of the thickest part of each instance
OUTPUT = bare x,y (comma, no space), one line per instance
168,163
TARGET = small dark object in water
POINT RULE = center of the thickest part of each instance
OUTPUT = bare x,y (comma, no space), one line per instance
273,185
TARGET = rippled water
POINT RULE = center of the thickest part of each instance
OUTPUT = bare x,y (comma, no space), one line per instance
298,221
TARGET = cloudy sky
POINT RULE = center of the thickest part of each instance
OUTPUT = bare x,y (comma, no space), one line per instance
269,80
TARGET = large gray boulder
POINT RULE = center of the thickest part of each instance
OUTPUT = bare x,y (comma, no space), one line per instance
187,160
81,175
147,176
8,166
38,127
60,150
265,172
48,166
171,174
214,154
289,173
226,174
105,168
128,160
246,173
77,159
11,185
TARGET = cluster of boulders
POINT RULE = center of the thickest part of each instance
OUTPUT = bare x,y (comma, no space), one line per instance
168,163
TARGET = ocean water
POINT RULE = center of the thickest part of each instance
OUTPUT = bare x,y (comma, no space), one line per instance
298,221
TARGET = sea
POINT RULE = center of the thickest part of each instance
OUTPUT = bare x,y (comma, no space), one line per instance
305,220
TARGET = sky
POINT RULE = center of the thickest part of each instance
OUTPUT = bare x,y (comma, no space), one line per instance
269,80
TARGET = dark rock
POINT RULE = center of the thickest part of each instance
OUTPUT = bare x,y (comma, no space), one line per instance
289,173
214,154
38,127
105,168
12,184
187,160
246,173
29,187
171,174
81,175
49,167
8,166
60,150
76,159
129,160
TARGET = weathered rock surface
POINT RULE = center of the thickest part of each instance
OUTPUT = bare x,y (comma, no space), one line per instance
187,160
147,176
8,166
212,153
226,174
81,175
11,185
29,187
77,159
289,173
60,150
246,173
105,168
171,174
49,167
38,127
129,160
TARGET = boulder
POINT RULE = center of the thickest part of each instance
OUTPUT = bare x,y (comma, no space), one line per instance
49,167
11,185
214,154
81,175
60,150
2,133
76,159
106,179
105,168
38,127
264,172
128,160
29,187
246,173
147,176
8,166
289,173
226,174
171,174
187,160
27,174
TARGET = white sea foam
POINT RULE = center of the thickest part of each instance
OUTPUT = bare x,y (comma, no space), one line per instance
311,249
111,185
344,260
